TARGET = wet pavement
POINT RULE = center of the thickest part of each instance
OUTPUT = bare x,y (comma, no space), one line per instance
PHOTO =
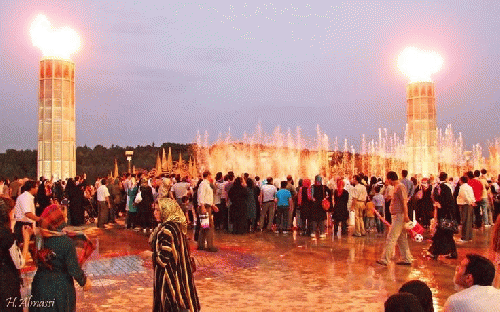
267,272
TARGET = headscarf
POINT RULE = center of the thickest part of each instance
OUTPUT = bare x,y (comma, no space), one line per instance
340,186
306,183
318,180
171,211
52,218
52,224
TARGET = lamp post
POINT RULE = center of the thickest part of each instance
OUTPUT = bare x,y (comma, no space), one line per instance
129,155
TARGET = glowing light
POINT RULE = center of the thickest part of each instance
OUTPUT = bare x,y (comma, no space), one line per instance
419,65
57,43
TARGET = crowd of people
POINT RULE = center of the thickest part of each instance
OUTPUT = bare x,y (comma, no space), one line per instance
242,204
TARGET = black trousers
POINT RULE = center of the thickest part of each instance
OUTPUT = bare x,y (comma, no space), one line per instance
478,219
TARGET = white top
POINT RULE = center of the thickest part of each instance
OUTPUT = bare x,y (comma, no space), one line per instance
465,195
24,203
476,298
102,193
219,191
268,193
359,192
181,189
205,193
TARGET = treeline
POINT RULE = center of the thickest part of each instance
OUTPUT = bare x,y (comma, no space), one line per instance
95,162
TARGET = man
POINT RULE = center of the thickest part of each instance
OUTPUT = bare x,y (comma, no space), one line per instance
485,207
407,183
359,196
291,188
24,210
477,188
465,202
205,206
397,233
267,204
475,275
103,204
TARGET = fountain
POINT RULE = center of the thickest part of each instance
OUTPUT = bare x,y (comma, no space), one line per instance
424,150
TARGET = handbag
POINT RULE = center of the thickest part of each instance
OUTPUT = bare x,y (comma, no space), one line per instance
449,225
325,203
17,256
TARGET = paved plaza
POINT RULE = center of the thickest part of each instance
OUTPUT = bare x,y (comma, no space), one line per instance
266,272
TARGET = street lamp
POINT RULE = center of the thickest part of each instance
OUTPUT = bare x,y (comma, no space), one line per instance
129,155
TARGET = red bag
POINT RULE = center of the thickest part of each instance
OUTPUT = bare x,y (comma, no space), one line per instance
325,203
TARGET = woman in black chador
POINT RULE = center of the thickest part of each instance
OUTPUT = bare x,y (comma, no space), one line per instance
75,196
239,196
145,207
442,241
340,212
424,208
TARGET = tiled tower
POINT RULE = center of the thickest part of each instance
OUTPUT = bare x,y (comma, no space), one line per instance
422,131
56,119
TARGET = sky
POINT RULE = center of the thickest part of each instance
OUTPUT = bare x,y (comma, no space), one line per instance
159,71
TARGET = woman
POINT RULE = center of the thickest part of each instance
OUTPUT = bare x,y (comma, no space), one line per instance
340,211
132,207
238,194
145,206
305,203
74,193
10,287
174,289
424,207
253,193
42,197
442,241
54,279
318,214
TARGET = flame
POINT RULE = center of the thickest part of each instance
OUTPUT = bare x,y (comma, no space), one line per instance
58,43
419,65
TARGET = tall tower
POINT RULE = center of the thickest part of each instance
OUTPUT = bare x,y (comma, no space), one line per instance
422,131
56,119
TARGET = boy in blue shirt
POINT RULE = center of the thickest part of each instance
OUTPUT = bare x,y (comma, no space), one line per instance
284,203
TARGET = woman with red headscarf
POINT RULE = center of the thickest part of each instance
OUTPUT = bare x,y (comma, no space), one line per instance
340,211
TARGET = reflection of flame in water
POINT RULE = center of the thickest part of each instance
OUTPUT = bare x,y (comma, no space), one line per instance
58,43
280,154
419,65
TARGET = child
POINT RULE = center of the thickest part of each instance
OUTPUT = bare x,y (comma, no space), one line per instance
370,216
284,203
378,202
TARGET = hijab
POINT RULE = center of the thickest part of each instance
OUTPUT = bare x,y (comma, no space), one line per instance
306,183
171,211
340,186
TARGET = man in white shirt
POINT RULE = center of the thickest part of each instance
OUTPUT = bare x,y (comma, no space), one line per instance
475,275
359,196
267,204
465,202
24,210
205,208
103,204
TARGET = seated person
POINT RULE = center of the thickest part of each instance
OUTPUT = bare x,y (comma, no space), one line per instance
421,291
475,274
